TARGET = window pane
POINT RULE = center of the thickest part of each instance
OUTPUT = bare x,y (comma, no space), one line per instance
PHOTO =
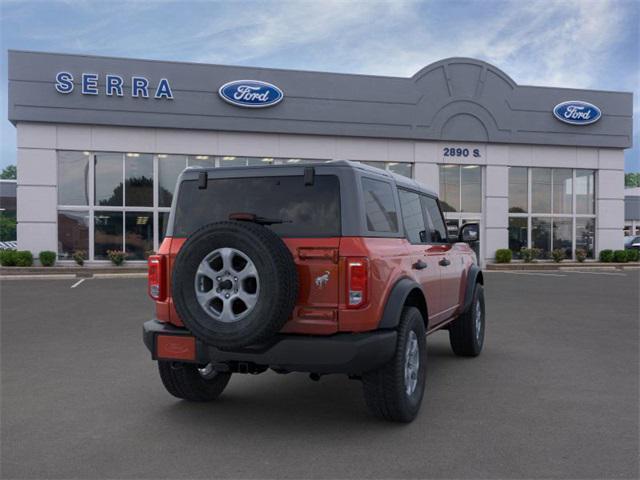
169,167
139,234
163,221
252,161
138,170
73,233
450,188
379,165
562,235
306,210
471,188
437,228
201,161
401,168
108,179
230,161
541,190
517,235
562,190
108,233
585,191
585,235
518,190
73,178
541,235
412,216
380,207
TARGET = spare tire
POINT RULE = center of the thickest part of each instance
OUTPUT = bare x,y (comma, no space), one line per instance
234,284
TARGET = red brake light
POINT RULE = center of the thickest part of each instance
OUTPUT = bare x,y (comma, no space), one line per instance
157,277
357,281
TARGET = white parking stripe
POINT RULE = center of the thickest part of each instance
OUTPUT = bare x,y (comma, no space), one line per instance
598,273
530,273
78,283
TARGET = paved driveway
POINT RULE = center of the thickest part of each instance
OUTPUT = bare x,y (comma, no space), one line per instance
554,394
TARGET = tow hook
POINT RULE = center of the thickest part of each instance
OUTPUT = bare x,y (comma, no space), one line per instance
315,376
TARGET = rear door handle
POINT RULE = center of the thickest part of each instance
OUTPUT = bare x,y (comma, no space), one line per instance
444,262
419,265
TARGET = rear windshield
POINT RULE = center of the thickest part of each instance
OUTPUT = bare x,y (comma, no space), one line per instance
306,210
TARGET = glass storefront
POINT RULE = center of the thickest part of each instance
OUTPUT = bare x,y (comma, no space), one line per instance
121,201
551,208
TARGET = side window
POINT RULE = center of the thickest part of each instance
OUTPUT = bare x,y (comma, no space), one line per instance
412,216
380,208
437,227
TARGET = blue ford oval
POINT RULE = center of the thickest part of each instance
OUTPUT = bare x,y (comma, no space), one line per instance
577,112
250,93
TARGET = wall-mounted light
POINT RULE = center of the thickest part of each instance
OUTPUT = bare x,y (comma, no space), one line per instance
228,158
267,159
133,154
470,166
293,160
202,157
162,155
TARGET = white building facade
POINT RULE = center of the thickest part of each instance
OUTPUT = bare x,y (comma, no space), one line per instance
96,171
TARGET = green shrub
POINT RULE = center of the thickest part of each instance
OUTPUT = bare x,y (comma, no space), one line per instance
581,254
79,256
558,255
8,258
47,258
24,258
633,255
526,254
606,255
117,257
503,255
620,256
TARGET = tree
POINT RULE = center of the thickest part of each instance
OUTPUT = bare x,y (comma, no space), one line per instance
632,180
9,173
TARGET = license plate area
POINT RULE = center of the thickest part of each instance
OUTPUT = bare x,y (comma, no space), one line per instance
175,347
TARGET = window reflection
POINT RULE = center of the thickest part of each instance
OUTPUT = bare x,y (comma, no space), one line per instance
450,188
541,235
139,235
169,167
471,188
562,235
518,190
138,169
585,235
108,233
541,190
585,191
73,233
73,178
562,190
517,235
108,179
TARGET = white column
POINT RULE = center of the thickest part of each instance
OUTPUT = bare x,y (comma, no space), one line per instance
496,209
37,188
610,200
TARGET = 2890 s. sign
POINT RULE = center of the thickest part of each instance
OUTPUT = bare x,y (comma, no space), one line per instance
250,93
577,112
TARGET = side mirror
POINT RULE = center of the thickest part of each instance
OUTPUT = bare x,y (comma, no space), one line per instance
452,232
469,233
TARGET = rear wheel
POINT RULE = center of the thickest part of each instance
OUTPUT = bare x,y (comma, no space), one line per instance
190,382
466,333
394,392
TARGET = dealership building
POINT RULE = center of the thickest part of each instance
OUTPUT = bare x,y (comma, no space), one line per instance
102,140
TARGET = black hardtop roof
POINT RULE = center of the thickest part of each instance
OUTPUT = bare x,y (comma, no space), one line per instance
399,180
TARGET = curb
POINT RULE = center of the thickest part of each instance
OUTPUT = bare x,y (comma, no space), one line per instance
69,276
498,267
80,272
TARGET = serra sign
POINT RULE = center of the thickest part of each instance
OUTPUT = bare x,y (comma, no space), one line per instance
113,85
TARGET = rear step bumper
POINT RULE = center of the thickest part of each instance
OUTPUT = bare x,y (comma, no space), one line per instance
351,353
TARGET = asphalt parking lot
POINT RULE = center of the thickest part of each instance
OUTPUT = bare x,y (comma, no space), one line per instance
554,394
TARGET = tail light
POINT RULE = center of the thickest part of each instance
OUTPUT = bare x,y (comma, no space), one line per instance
357,281
156,277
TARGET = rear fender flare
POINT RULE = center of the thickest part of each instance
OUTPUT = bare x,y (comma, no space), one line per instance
474,276
397,299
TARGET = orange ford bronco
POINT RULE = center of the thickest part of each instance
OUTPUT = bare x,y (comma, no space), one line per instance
332,267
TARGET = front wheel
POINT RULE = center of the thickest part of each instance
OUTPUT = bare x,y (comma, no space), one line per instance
193,383
466,333
394,392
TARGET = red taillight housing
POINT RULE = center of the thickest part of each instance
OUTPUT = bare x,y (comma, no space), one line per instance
157,281
357,281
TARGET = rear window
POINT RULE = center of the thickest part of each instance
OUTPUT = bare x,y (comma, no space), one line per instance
380,207
307,210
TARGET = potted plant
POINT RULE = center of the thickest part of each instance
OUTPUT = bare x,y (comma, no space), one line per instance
117,257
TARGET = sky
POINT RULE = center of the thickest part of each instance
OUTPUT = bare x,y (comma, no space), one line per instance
566,43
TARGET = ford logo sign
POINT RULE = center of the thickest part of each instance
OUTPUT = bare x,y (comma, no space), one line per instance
250,93
577,112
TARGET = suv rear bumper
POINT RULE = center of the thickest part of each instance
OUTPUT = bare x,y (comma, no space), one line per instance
351,353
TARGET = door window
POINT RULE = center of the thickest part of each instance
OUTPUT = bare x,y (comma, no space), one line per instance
412,216
437,228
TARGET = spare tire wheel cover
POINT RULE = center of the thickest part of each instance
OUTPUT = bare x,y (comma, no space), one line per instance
234,284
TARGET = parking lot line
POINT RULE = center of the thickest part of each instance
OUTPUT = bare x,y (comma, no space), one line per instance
78,283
